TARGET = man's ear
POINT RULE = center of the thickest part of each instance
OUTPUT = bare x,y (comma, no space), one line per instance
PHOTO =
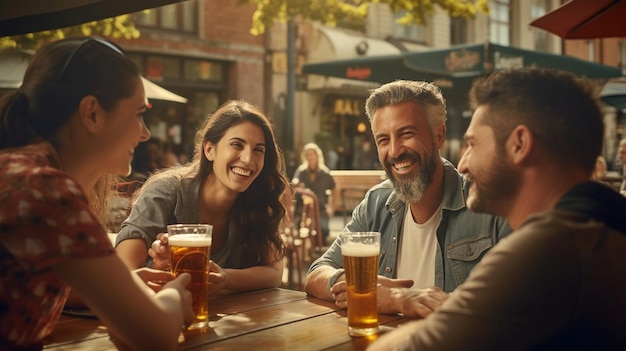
520,144
209,150
440,136
90,113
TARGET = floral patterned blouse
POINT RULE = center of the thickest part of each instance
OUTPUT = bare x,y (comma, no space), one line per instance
44,220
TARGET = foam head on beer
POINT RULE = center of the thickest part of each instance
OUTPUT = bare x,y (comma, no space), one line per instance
189,240
356,249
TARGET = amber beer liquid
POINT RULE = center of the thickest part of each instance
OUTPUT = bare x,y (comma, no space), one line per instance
361,270
190,253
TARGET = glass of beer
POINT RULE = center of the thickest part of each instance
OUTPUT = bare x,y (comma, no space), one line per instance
190,251
360,252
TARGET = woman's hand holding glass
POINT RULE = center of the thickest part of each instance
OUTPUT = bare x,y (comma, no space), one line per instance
159,251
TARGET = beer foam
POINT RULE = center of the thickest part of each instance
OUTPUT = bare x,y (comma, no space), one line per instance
359,250
189,240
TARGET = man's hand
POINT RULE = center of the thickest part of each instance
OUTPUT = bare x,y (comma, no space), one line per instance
159,251
419,303
397,296
339,291
388,293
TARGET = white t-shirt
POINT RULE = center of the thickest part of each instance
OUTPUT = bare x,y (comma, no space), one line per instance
418,249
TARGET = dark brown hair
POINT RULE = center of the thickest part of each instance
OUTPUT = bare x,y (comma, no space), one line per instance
258,210
58,76
561,109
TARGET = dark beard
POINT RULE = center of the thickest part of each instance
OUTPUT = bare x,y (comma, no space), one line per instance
410,188
499,184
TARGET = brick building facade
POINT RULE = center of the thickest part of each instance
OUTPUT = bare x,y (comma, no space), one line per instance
202,50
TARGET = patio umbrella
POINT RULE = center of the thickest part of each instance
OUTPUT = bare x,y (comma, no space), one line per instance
154,91
586,19
27,16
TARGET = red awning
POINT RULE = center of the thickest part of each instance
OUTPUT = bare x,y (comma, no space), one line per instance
586,19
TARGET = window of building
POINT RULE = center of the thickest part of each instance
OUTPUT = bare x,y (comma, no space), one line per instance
180,16
458,30
621,56
412,32
203,70
500,22
163,68
201,81
591,45
541,37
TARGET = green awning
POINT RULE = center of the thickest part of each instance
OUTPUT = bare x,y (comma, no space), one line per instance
454,67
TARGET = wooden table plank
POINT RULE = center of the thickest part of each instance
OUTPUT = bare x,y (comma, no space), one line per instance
328,331
237,302
274,319
252,321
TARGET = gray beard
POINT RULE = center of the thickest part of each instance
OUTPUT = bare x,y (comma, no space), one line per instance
412,187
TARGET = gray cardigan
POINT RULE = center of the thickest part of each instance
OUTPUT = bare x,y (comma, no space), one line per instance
169,200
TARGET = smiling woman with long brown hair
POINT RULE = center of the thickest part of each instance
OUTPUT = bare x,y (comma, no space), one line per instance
234,182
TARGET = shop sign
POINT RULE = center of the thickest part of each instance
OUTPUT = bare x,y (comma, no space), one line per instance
350,107
462,61
507,62
358,72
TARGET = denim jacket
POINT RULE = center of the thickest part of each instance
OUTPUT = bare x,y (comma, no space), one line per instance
463,236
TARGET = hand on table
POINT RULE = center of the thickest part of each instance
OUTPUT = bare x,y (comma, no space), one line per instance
418,303
383,291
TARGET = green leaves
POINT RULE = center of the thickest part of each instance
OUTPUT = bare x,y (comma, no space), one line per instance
331,12
116,27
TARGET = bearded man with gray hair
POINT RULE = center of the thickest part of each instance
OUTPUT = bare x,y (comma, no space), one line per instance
429,240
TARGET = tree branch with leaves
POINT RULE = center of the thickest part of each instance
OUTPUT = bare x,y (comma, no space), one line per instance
331,12
116,27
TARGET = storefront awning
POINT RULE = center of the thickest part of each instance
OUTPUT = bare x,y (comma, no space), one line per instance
454,67
614,94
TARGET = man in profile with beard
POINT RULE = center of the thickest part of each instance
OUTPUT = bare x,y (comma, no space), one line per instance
429,240
557,282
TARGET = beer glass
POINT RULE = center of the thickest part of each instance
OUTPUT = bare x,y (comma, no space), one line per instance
360,252
190,250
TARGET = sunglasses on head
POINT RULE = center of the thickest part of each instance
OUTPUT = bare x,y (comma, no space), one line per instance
78,48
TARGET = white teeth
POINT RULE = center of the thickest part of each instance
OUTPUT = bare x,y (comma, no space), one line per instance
401,165
241,172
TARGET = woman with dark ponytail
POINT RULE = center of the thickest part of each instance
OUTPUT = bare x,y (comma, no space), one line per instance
64,135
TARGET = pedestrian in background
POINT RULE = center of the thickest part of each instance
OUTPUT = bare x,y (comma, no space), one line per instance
313,174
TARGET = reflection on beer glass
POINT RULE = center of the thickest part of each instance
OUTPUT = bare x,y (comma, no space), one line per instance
190,251
360,252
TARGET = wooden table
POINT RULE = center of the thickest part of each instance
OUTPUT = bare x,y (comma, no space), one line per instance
274,319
